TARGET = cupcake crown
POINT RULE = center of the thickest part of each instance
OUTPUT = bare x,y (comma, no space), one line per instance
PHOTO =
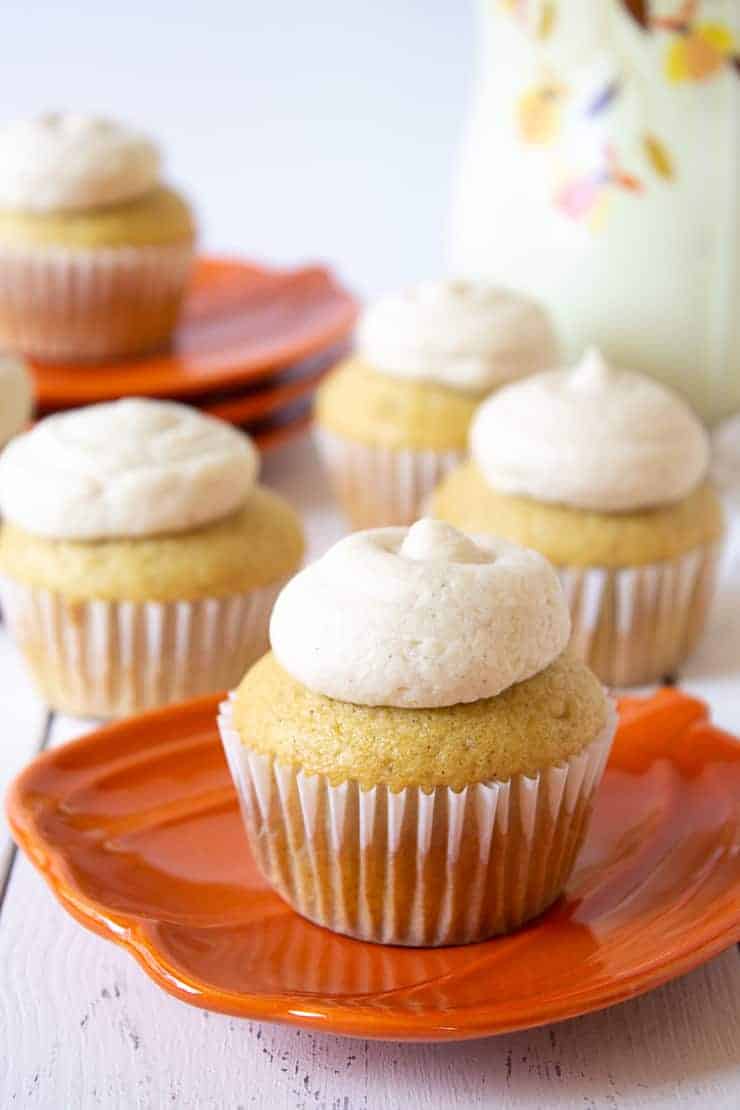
592,437
128,468
419,617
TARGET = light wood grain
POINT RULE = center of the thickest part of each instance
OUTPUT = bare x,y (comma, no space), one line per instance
23,719
87,1029
82,1026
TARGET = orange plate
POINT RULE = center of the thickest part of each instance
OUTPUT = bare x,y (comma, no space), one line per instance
136,828
272,433
258,404
240,322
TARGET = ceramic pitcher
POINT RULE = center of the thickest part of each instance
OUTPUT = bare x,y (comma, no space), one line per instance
601,172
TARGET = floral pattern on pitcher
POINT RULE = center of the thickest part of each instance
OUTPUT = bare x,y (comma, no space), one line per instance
700,48
585,165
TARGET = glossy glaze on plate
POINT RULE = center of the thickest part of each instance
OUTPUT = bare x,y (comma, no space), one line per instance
137,831
239,323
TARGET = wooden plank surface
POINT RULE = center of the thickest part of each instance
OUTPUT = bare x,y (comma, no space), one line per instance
86,1028
82,1026
23,724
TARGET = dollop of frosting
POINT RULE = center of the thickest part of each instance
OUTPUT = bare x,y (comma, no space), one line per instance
463,334
16,396
592,437
63,161
419,618
125,469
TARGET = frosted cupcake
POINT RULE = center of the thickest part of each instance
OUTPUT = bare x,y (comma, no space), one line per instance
16,396
94,249
605,472
417,757
394,418
139,558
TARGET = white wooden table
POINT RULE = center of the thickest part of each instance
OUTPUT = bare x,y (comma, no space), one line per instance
82,1026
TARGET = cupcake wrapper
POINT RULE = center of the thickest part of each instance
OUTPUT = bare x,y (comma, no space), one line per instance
411,867
379,486
112,658
59,303
637,624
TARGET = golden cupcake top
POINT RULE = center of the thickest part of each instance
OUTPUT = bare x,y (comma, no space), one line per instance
75,181
159,217
259,544
359,403
579,537
534,724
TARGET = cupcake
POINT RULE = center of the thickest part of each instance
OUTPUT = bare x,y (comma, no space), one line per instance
394,418
605,472
16,397
417,757
94,249
139,558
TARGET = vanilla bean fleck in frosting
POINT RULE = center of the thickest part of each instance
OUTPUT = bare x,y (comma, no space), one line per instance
462,334
66,161
591,437
419,618
125,469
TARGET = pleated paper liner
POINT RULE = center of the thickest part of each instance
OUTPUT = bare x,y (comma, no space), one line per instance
378,486
106,303
113,658
240,324
636,625
416,868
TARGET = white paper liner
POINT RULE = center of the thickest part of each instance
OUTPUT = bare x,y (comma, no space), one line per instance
379,486
635,625
94,303
113,658
415,868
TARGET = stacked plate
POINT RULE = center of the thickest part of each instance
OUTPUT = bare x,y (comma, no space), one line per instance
251,347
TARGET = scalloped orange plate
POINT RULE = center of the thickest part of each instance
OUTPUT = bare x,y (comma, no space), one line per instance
136,829
240,323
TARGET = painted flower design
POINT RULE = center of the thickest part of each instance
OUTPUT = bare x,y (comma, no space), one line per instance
585,197
539,112
700,49
536,17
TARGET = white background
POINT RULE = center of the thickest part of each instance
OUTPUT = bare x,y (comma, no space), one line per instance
301,129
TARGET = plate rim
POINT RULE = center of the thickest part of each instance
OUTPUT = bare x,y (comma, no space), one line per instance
51,393
306,1011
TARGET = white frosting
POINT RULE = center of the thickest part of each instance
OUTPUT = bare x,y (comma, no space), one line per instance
128,468
16,396
467,335
66,161
419,617
591,437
